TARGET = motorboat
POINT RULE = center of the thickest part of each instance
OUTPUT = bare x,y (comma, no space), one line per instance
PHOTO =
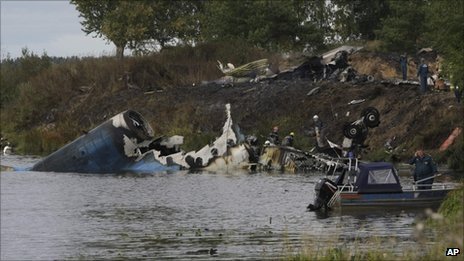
375,184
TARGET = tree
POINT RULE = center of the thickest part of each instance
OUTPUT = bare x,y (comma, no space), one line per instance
142,24
273,25
445,20
319,13
357,19
171,22
14,72
125,23
403,29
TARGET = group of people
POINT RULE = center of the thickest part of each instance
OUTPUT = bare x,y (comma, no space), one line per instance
425,168
319,129
273,138
422,71
423,74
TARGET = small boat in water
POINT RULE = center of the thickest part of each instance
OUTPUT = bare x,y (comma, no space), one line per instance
375,184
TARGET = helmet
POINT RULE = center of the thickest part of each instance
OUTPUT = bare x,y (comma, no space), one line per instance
292,133
315,117
267,143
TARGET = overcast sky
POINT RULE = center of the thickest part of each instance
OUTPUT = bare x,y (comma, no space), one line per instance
50,26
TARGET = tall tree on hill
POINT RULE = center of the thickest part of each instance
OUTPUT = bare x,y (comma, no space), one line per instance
273,25
445,21
404,27
320,13
172,22
357,19
125,23
141,24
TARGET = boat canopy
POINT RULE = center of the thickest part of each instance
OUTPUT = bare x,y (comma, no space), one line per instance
377,177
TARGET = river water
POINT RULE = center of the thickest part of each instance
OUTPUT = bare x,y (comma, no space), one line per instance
178,215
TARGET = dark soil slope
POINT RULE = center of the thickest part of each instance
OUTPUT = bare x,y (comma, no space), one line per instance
72,98
198,111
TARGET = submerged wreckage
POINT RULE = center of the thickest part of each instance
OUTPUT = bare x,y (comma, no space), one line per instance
122,143
126,143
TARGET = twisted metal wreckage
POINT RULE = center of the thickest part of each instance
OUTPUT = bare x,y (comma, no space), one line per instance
126,143
332,65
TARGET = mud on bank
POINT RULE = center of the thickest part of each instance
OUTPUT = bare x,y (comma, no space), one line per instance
407,117
197,111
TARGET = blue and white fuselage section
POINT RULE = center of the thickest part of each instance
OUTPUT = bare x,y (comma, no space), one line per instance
114,146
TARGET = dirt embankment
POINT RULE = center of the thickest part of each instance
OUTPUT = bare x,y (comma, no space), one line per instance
409,118
197,111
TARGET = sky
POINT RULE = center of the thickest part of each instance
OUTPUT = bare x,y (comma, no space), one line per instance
46,26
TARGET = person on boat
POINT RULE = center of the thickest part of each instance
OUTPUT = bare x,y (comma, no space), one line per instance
424,170
288,140
273,137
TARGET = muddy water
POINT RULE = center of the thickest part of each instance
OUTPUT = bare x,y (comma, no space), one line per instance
177,215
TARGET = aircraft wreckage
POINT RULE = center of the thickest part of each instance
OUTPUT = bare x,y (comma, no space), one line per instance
126,143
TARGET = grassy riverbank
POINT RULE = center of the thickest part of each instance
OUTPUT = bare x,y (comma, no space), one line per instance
446,228
48,102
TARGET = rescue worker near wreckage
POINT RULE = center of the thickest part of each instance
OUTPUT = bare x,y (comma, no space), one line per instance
424,168
320,130
456,89
422,73
288,140
404,66
273,137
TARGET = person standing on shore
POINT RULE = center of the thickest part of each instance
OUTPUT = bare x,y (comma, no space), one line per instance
423,73
404,66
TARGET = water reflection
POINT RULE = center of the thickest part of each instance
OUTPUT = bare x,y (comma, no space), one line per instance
179,215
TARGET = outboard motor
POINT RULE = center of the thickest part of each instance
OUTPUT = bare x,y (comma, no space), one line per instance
325,189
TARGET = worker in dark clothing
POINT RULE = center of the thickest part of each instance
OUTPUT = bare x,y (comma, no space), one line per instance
320,130
425,169
456,89
457,92
404,66
288,140
273,137
423,73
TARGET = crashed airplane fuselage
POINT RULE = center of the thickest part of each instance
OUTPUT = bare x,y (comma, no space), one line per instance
126,143
226,152
114,146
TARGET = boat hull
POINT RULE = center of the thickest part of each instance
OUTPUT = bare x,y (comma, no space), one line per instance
413,198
